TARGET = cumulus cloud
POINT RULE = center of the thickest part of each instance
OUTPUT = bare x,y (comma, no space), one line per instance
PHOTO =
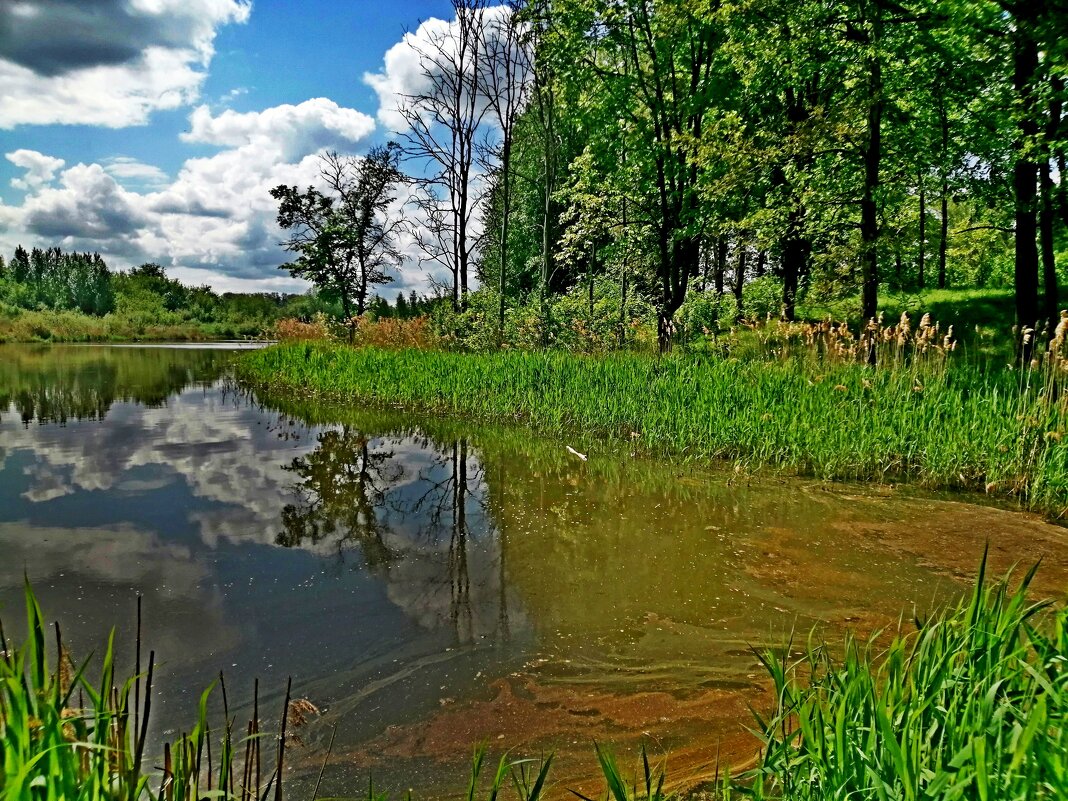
292,131
88,205
40,169
106,62
214,221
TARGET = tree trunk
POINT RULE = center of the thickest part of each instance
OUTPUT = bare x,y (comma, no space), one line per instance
922,256
506,158
943,241
795,249
739,278
1049,264
869,211
721,264
1025,180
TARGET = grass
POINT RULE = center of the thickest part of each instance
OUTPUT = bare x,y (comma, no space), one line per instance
943,426
71,326
969,704
973,704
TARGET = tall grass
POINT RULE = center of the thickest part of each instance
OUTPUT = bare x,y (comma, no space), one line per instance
973,705
953,426
66,736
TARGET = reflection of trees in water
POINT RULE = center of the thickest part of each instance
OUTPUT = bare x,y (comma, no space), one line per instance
350,492
56,384
341,485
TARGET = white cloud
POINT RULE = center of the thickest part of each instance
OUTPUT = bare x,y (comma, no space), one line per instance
214,222
130,169
292,131
109,63
40,169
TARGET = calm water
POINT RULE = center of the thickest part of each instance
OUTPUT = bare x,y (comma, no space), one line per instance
429,584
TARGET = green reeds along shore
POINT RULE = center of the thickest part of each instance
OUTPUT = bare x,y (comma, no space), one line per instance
928,418
971,703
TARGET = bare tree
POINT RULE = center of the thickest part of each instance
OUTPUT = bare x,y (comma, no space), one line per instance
506,73
443,123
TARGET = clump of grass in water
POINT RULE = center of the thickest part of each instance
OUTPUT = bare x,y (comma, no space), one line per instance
972,705
64,736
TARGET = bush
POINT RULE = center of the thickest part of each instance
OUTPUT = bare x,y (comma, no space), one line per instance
762,298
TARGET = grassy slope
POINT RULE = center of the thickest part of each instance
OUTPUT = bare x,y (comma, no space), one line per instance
958,428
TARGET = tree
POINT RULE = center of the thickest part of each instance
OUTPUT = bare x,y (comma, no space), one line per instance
443,122
506,82
346,240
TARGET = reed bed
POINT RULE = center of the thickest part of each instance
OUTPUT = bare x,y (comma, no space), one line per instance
971,704
816,408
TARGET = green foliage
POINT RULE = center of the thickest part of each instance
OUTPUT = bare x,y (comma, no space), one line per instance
953,427
972,704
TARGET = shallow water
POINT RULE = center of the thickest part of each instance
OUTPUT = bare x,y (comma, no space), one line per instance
432,583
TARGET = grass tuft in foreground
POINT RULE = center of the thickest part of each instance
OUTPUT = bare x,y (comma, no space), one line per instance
952,426
972,704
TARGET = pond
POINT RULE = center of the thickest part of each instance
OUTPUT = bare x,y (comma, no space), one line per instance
431,583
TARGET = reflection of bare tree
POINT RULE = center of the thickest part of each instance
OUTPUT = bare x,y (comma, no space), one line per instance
341,486
453,489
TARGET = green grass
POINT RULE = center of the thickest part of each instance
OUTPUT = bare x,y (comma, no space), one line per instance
973,704
956,427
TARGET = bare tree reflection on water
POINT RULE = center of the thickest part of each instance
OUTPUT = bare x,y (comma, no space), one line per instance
355,489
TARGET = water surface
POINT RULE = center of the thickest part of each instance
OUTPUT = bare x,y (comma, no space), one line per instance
432,583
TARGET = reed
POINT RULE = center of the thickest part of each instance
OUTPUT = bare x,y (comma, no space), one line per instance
66,736
971,704
920,417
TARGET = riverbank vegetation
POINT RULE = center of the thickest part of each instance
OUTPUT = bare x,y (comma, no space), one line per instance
971,702
792,396
48,295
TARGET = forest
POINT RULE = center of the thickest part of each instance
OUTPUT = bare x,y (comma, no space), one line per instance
685,164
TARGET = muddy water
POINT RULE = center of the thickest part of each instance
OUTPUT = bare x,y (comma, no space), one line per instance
432,584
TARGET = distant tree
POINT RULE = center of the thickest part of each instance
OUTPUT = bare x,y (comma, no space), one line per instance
402,307
20,265
346,237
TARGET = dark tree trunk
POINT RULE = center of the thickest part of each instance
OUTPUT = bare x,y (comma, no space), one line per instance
1025,180
943,240
795,250
1047,218
721,264
739,278
506,203
869,211
1049,263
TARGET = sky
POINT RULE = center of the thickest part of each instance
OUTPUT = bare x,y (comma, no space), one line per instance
152,130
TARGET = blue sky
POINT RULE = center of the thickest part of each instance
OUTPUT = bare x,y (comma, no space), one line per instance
150,135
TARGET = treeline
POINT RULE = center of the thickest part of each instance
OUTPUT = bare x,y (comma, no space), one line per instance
51,281
659,152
